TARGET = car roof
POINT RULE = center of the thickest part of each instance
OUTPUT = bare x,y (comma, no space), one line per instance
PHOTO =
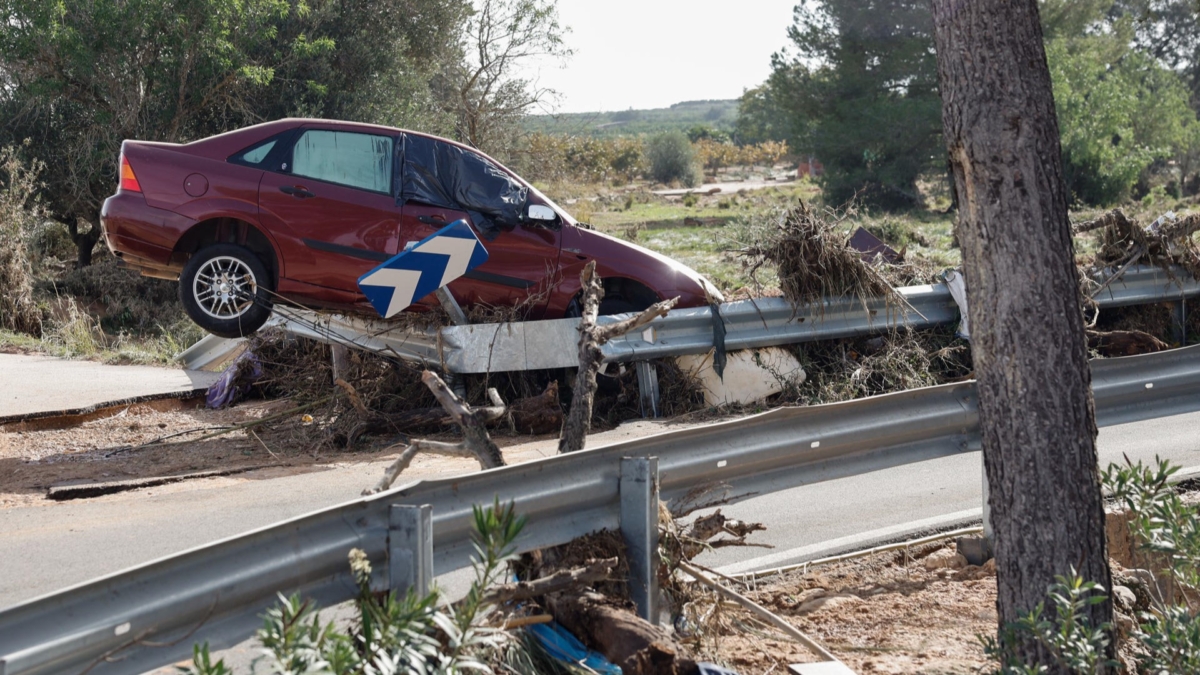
224,145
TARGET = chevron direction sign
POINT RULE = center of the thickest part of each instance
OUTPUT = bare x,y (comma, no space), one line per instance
432,263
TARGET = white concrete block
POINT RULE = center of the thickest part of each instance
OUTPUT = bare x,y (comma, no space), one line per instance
750,374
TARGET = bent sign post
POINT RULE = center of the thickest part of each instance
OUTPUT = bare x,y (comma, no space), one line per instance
422,269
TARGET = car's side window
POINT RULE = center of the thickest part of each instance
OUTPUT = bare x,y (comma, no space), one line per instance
348,158
260,153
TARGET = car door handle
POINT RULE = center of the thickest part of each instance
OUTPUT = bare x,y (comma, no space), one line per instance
432,220
297,192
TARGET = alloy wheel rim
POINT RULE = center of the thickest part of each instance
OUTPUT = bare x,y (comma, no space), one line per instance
225,288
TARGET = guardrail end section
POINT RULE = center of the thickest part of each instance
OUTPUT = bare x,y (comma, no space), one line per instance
410,548
639,528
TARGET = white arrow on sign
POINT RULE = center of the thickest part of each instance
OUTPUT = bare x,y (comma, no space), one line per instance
404,281
458,249
432,263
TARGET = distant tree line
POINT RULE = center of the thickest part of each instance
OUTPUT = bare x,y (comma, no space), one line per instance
79,76
857,89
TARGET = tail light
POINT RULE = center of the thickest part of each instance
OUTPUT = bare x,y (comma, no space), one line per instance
128,180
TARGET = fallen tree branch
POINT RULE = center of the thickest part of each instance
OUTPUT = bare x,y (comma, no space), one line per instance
760,611
624,638
1120,272
591,338
595,570
522,621
407,420
1112,217
699,536
473,421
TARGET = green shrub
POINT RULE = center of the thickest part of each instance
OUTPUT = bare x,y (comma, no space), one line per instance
1118,111
1172,641
1068,637
672,158
408,634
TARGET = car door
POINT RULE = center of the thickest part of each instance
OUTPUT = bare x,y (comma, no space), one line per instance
522,259
333,196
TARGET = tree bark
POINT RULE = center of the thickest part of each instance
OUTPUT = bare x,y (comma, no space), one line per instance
85,241
1027,333
625,639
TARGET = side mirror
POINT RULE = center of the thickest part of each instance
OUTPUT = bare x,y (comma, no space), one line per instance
540,213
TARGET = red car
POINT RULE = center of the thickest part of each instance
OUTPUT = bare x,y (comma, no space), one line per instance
297,210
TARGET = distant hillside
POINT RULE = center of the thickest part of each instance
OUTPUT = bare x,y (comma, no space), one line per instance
681,117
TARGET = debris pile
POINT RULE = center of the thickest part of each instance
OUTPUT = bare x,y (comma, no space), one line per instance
853,368
814,259
1123,244
1165,243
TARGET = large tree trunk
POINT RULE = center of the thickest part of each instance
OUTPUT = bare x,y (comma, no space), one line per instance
1027,333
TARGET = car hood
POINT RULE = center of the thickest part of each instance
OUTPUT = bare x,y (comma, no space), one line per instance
618,258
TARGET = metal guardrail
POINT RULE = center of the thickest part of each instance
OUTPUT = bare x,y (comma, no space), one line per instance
749,324
216,593
763,322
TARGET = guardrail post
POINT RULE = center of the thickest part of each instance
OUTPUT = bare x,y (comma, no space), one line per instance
978,550
1179,320
410,548
647,376
340,357
639,528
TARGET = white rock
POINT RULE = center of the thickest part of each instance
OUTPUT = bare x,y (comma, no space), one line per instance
1124,599
946,558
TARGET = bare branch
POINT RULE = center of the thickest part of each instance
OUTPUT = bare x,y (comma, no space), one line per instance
476,442
591,337
595,570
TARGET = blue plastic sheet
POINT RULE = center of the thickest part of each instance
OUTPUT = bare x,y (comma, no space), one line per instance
563,646
713,669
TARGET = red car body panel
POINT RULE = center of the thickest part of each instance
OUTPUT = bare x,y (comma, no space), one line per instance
319,245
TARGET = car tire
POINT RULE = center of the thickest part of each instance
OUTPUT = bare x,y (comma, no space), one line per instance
225,289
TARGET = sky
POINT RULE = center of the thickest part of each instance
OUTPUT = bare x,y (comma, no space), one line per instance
652,53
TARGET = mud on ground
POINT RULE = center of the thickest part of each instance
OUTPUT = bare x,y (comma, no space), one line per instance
886,613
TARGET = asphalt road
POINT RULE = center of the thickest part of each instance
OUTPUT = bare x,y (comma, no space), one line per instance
32,383
48,548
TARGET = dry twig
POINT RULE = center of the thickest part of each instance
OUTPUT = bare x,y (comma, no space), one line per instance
759,611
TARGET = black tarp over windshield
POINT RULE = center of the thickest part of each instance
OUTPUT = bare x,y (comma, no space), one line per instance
442,174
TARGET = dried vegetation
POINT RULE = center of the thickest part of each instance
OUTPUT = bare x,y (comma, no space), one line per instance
19,212
810,252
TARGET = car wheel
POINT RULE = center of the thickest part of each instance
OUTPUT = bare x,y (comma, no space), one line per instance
225,290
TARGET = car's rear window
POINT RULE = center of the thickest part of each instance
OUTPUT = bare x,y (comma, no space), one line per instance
349,158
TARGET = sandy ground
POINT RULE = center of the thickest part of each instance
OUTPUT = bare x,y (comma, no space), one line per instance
886,613
40,454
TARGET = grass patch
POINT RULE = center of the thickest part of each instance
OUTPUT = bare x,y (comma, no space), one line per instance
106,313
